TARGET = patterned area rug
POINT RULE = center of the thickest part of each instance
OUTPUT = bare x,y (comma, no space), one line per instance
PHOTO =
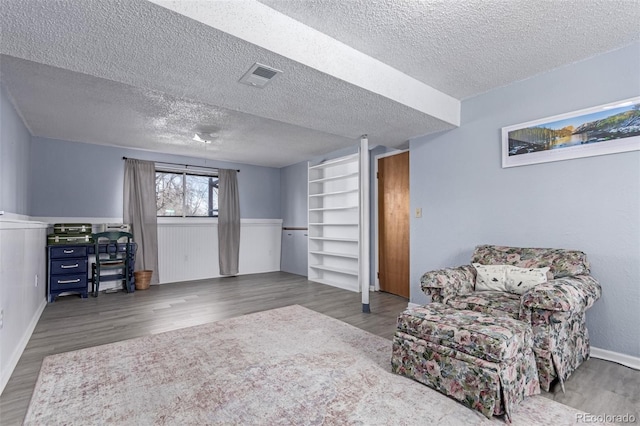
285,366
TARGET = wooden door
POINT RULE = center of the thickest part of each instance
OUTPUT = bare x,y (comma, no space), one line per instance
393,224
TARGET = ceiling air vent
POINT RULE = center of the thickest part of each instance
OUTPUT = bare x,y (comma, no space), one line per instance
259,75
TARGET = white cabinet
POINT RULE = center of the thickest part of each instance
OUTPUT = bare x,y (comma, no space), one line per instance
334,226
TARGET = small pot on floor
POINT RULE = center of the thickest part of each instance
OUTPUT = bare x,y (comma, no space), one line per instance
142,279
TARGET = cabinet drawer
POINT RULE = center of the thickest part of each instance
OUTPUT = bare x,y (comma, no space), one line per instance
68,251
61,282
68,266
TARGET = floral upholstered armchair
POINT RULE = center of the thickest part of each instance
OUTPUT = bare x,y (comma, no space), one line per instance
555,306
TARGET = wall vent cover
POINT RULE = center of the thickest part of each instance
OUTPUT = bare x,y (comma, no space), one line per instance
259,75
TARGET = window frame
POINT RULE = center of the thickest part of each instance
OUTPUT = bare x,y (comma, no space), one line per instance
208,173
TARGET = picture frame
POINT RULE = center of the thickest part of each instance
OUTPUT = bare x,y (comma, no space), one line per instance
600,130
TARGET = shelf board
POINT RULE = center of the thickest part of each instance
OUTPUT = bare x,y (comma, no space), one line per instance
333,208
330,253
324,194
344,240
333,224
338,270
342,160
351,287
347,175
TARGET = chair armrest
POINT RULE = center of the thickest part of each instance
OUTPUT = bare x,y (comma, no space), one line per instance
442,284
569,294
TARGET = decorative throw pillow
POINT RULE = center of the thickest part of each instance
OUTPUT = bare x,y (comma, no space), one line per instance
519,280
491,277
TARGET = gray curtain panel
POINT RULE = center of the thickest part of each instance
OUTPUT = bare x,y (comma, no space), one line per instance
140,212
228,222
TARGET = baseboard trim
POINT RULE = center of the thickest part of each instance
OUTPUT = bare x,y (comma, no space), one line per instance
412,305
15,357
624,359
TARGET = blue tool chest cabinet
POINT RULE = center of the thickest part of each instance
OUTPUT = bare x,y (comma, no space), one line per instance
68,267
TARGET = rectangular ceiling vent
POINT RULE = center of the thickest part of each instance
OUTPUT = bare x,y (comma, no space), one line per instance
259,75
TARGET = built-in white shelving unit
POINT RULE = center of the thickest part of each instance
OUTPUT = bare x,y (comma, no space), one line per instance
334,222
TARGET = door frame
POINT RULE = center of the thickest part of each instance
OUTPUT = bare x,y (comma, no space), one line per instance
375,225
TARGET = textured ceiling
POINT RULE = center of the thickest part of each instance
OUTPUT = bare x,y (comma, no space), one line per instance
465,48
96,110
133,73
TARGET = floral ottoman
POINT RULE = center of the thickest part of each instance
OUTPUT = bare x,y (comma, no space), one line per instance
485,362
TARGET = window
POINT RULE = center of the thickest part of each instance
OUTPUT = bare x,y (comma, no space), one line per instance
184,194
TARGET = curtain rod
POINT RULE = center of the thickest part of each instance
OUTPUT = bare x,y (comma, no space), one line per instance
178,164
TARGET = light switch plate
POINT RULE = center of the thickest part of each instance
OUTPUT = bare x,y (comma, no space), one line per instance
419,212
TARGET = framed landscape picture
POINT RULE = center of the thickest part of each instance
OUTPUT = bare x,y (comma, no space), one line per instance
605,129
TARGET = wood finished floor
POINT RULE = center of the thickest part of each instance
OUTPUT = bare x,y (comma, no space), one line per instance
72,323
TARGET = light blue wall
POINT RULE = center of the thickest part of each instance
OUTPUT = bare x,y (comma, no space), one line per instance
15,142
71,179
591,204
293,194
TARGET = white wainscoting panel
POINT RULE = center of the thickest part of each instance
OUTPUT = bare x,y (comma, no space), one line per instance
23,287
188,249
